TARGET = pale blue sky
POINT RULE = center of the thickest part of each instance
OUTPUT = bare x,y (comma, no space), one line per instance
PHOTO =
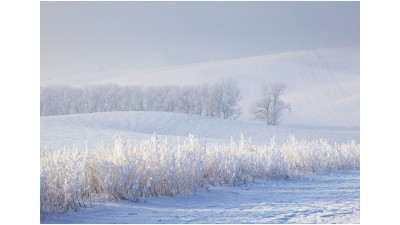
83,37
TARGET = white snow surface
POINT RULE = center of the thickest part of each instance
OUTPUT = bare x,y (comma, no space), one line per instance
323,85
99,128
330,197
327,197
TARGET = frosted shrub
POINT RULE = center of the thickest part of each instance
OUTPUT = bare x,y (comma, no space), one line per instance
72,178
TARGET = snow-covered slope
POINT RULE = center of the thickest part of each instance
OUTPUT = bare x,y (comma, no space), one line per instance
323,85
97,128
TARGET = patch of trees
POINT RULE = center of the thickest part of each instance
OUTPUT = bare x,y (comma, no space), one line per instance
219,100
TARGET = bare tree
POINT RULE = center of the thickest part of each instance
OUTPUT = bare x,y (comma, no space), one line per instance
231,96
270,107
219,100
224,99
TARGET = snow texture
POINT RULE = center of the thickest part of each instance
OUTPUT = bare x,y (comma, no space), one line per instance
98,128
330,197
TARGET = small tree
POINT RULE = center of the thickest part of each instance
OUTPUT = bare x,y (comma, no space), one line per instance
270,107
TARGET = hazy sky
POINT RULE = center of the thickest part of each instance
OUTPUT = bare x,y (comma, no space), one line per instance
82,37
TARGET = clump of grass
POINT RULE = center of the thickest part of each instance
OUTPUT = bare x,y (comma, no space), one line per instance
72,178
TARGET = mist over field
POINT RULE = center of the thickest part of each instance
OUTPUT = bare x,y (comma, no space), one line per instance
200,112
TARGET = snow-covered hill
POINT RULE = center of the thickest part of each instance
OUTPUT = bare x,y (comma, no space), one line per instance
323,85
97,128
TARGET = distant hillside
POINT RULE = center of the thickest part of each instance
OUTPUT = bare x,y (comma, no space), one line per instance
323,84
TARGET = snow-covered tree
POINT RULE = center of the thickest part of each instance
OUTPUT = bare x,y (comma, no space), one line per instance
230,99
219,100
224,97
270,107
184,100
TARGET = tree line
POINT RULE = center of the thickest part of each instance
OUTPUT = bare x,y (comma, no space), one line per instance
219,100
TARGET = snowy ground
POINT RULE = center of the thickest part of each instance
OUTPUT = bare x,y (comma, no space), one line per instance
98,128
330,197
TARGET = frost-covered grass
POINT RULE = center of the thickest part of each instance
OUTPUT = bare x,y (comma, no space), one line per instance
73,178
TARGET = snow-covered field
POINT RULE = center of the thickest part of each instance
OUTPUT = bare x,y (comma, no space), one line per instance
98,128
295,180
323,197
329,197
